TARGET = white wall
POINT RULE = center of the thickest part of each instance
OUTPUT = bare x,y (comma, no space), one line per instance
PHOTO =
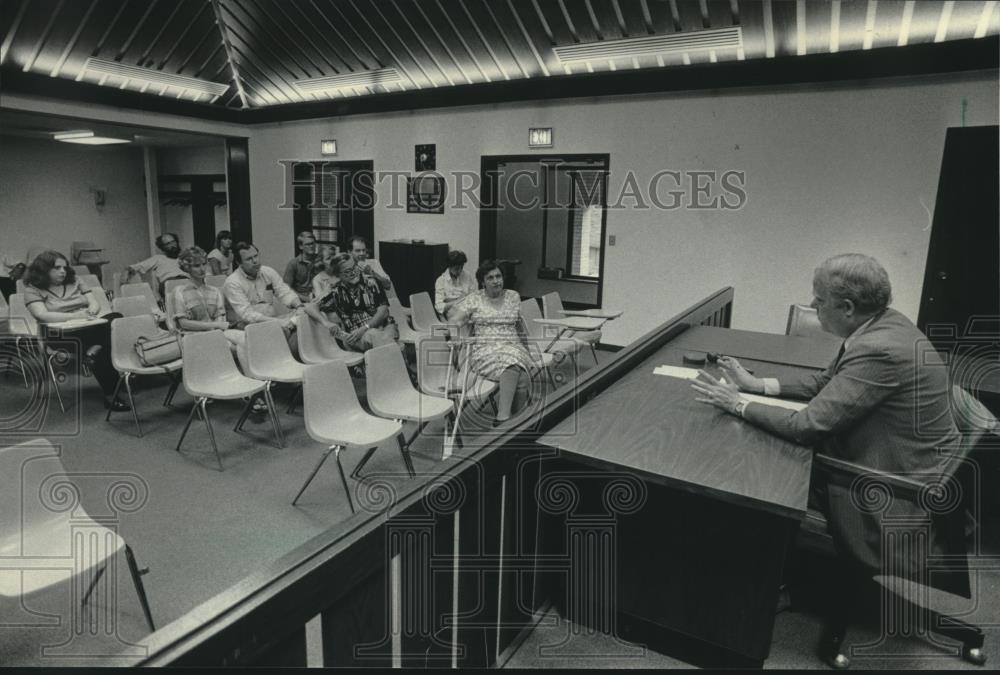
828,169
46,198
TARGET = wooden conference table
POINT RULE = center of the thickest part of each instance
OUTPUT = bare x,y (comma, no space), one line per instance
700,553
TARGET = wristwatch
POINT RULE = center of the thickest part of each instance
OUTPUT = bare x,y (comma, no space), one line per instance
741,405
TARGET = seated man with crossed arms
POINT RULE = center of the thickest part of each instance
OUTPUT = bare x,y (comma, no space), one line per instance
883,403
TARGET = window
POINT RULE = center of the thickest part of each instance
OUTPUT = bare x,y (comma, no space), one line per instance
585,224
325,220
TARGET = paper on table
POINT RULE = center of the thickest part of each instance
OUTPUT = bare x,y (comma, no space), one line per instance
692,373
676,371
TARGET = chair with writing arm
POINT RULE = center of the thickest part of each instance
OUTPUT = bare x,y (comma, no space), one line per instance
947,500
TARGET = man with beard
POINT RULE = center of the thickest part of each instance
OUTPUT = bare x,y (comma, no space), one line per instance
163,265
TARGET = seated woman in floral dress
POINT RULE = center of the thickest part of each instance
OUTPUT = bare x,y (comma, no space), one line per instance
499,351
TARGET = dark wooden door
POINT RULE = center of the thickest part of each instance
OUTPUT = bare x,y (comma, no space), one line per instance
349,193
962,277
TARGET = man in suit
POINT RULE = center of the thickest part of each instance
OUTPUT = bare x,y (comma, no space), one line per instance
883,403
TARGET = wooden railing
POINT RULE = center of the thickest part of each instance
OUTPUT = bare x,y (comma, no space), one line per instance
441,570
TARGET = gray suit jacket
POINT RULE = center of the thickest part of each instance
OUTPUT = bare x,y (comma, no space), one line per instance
884,403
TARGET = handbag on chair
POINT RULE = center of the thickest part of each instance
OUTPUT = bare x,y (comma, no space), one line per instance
158,349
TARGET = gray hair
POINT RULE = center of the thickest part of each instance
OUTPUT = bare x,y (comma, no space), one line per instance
858,278
336,263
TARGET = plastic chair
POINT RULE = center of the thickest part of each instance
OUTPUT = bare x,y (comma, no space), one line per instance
24,327
438,375
552,308
102,300
803,320
316,345
136,305
423,313
394,303
334,417
215,280
19,286
124,333
406,333
270,359
536,331
36,535
90,280
391,394
140,289
210,373
81,270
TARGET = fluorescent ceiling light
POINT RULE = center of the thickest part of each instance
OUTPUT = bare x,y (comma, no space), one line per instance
716,38
154,78
367,78
87,138
68,135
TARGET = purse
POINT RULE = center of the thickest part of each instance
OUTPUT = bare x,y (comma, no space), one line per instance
155,350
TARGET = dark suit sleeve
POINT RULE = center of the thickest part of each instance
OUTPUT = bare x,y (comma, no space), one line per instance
861,383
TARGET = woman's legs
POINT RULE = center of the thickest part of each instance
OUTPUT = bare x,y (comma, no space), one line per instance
104,372
513,386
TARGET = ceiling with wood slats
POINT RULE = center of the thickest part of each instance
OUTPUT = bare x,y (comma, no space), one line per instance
260,48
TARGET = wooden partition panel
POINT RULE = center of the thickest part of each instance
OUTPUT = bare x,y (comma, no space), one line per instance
449,572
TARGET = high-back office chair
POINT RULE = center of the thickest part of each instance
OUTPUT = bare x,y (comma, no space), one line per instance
316,345
136,305
140,289
391,394
210,373
803,321
49,538
334,416
960,478
124,333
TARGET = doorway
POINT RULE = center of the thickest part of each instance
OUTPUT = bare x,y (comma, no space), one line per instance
547,216
335,201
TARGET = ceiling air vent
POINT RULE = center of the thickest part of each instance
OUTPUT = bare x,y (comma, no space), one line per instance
155,78
367,78
716,38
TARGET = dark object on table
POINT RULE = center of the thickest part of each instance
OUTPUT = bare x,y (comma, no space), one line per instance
697,358
712,357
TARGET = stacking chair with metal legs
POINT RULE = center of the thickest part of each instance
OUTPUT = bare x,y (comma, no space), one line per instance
316,345
141,289
423,313
38,540
406,333
552,308
28,340
438,374
210,373
270,359
550,350
391,394
334,416
124,333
